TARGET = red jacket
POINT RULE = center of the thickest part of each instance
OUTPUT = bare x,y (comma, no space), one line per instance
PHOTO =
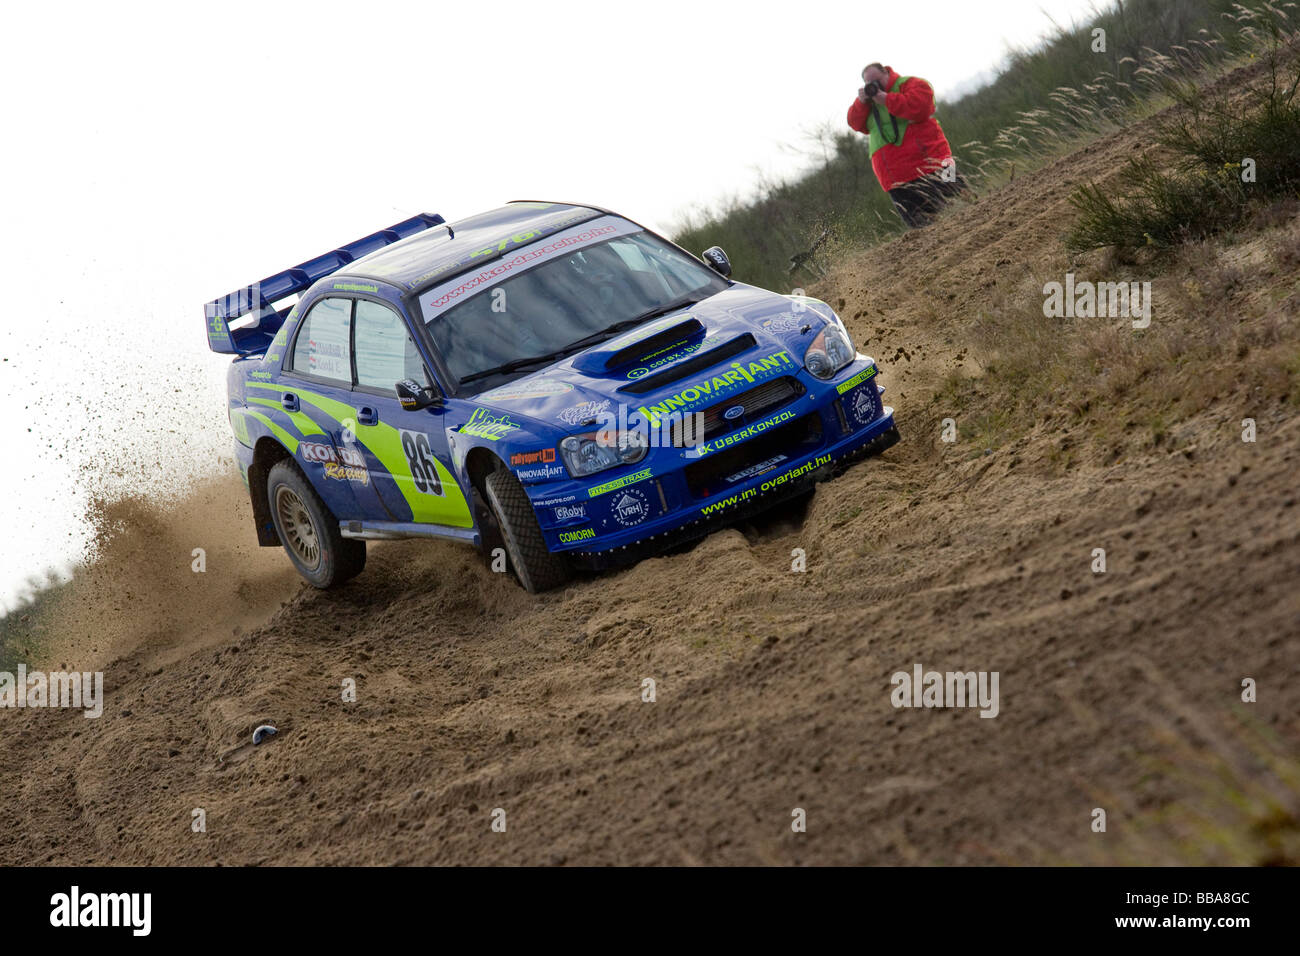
924,147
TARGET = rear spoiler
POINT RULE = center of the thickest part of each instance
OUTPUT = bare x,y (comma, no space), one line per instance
261,297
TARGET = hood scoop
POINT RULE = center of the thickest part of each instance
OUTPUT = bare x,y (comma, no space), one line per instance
600,360
684,369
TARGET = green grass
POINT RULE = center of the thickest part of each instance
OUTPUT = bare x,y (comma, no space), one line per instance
845,516
1154,208
1226,153
1237,805
22,627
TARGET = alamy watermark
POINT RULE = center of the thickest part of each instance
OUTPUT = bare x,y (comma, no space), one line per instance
923,688
129,910
1084,299
55,689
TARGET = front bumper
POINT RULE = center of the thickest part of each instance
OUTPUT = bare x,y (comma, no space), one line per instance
676,533
679,495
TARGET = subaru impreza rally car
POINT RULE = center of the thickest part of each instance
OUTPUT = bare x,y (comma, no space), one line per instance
549,376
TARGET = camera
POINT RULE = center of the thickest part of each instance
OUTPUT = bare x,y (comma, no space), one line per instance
871,89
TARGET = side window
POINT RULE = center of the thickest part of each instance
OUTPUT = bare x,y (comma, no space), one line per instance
385,352
323,347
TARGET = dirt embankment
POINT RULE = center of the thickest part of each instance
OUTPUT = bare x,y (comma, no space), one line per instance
1118,690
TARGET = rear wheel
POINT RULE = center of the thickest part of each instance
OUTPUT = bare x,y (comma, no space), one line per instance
309,532
533,563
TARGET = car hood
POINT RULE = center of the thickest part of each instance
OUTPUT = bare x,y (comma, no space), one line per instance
739,328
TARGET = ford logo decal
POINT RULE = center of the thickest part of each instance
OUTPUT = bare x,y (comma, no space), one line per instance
734,412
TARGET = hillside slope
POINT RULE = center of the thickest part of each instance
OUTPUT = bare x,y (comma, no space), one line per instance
1119,690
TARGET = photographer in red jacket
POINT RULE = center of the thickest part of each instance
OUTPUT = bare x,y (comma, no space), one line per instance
909,153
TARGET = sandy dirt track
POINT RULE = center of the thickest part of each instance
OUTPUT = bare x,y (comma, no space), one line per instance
1118,690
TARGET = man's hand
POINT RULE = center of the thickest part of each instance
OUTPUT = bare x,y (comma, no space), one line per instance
864,99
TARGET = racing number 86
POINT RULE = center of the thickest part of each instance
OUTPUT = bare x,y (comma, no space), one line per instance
419,457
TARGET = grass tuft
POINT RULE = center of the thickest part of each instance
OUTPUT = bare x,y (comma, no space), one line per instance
1225,154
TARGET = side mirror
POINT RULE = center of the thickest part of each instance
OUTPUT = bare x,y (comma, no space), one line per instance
717,260
414,396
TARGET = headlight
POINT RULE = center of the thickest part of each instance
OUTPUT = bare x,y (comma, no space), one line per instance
595,451
830,351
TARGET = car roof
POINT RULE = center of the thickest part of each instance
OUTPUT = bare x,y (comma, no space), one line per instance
443,251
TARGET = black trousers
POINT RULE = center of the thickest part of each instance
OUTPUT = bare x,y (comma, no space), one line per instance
919,201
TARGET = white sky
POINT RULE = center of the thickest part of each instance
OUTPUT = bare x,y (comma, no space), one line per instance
159,155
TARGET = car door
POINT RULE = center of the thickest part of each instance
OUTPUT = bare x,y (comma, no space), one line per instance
409,457
316,391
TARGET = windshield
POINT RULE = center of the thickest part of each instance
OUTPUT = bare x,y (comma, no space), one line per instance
565,301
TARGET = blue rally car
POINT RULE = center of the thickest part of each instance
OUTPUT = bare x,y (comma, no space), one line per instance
546,377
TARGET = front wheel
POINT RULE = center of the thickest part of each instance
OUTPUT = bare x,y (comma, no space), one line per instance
533,563
309,532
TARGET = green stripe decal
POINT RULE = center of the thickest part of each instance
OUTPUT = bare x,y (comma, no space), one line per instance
286,439
301,421
856,380
385,443
618,483
240,427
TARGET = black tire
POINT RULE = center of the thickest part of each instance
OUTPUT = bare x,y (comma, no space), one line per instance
533,563
309,531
